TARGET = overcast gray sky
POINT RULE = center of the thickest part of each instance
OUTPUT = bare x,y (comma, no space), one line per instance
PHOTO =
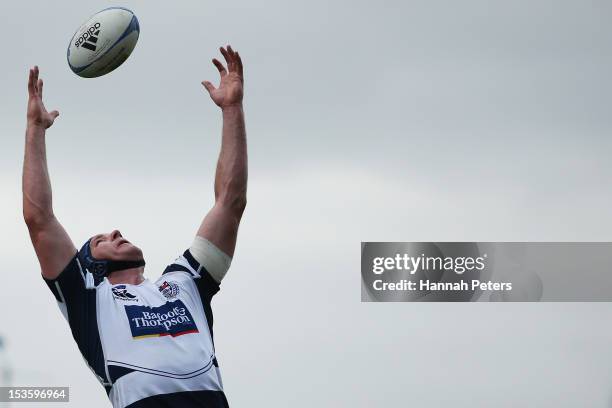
367,121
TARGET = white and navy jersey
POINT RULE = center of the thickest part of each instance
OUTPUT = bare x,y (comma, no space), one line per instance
150,345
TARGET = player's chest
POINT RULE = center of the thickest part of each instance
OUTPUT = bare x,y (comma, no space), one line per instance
152,311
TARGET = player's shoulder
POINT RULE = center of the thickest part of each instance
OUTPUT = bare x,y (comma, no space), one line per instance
178,276
186,264
169,282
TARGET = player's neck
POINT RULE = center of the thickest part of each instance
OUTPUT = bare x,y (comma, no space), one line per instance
133,276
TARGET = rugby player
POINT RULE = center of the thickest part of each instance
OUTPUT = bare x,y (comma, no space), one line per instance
150,343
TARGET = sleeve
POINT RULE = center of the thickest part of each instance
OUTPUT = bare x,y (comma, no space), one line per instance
75,292
205,264
70,288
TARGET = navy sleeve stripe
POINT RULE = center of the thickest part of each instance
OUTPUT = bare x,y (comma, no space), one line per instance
54,289
207,284
192,261
207,287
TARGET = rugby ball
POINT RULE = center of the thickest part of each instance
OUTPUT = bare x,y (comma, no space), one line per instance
103,42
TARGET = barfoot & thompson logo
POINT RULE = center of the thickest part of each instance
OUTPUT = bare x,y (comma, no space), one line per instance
170,319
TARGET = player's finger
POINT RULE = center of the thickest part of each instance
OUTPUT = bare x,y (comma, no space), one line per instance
233,57
209,86
219,66
228,59
239,65
31,82
40,87
35,79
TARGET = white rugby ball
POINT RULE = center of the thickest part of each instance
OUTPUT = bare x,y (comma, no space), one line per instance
103,42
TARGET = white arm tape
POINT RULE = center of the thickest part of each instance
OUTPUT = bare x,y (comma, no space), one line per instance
210,257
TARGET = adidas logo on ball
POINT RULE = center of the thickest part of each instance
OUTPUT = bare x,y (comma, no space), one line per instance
103,42
89,38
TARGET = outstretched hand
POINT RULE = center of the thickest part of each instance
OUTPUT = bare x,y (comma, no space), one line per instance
230,88
37,113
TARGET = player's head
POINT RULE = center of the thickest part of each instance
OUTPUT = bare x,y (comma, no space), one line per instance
110,252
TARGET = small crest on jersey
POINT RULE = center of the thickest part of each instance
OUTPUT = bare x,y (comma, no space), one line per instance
120,292
169,289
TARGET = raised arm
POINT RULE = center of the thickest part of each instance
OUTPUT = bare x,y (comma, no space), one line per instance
51,242
220,226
